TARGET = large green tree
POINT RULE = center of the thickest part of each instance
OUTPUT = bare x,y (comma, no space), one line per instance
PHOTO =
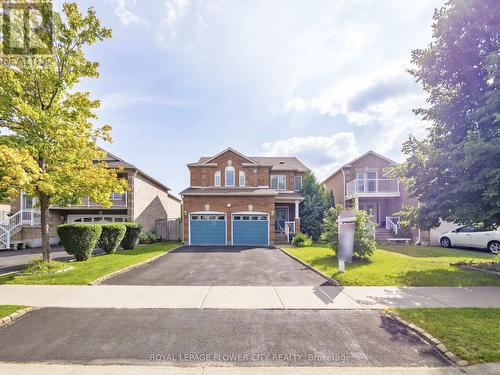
312,209
455,171
47,123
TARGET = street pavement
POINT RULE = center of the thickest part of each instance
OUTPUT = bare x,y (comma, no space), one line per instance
215,337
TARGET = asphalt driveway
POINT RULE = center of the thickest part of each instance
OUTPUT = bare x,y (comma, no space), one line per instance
214,265
194,337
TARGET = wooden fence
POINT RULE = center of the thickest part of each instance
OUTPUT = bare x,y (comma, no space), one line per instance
169,229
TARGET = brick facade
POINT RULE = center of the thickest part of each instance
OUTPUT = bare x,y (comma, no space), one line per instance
237,204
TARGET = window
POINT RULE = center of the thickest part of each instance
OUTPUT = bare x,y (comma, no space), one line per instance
117,196
298,183
242,178
278,182
229,176
28,203
217,178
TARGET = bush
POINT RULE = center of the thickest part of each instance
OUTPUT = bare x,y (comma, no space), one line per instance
131,235
111,237
364,243
79,239
147,237
300,239
38,265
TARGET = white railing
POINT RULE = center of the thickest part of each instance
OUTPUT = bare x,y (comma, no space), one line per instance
289,229
116,201
23,217
391,223
373,186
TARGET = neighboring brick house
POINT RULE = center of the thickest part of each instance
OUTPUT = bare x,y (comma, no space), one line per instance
364,183
147,201
234,199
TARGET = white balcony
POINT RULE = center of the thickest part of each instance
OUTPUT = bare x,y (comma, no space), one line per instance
376,187
117,201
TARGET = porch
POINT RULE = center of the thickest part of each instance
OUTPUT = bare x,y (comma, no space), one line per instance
286,219
380,209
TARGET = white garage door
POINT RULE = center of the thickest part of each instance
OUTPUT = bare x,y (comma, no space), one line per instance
96,219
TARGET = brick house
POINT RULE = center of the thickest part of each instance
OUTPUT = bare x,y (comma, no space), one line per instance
363,183
234,199
147,201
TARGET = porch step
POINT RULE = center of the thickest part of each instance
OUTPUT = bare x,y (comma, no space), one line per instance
382,234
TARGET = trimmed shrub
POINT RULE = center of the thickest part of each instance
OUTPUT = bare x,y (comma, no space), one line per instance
148,237
111,237
79,240
301,240
131,235
364,243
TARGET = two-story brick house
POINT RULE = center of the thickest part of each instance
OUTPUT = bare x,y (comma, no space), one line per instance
147,200
234,199
363,182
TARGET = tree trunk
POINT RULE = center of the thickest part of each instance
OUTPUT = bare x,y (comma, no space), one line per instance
44,218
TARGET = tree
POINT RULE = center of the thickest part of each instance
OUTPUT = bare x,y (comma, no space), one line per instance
455,171
316,201
48,122
364,243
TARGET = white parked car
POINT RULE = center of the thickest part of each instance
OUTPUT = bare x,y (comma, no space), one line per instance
471,236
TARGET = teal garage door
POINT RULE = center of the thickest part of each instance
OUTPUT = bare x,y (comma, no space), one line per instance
207,229
250,230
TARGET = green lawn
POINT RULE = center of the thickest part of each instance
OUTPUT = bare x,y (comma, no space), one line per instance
9,309
401,266
471,334
85,272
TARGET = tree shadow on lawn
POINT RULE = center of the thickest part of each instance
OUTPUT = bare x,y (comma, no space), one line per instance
436,252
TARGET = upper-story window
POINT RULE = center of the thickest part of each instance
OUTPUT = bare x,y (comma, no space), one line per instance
27,202
278,182
229,176
297,183
242,179
217,178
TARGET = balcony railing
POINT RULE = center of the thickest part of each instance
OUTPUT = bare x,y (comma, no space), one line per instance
380,186
117,201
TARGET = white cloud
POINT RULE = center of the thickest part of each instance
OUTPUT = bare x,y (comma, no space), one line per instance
174,13
125,11
323,154
123,100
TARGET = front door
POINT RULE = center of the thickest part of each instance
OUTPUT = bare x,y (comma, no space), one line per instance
372,209
281,217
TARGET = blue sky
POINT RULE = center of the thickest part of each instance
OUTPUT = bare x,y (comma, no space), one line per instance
321,80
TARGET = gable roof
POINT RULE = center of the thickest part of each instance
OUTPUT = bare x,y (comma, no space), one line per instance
275,163
369,152
114,161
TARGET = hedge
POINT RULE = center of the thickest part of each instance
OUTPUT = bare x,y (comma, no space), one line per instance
300,239
111,237
79,240
131,235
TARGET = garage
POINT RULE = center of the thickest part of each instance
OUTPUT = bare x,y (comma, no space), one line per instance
250,229
207,229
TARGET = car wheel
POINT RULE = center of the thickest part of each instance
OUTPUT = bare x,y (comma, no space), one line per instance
445,242
494,247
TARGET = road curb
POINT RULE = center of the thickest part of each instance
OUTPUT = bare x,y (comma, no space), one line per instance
427,337
9,319
332,281
130,268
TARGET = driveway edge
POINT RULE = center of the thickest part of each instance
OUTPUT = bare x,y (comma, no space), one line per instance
427,337
328,278
133,266
9,319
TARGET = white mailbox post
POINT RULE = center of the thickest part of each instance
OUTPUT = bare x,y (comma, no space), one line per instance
347,225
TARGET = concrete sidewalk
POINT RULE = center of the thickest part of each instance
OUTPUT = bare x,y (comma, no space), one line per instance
247,297
42,369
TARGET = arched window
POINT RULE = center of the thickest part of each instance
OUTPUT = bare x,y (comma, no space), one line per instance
242,178
217,178
229,176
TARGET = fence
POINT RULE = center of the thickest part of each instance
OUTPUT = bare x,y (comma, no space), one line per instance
170,229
